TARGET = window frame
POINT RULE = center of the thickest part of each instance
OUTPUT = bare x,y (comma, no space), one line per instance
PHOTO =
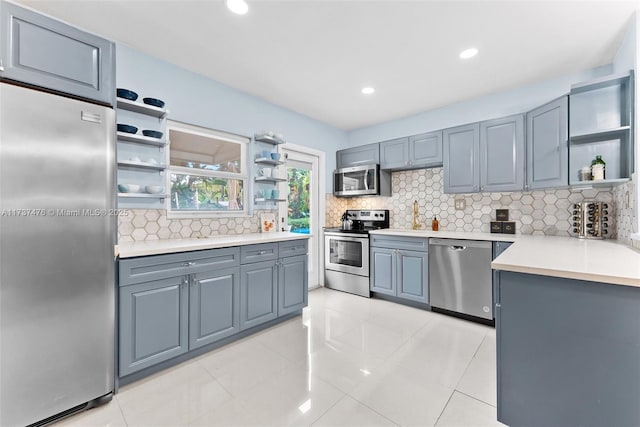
243,176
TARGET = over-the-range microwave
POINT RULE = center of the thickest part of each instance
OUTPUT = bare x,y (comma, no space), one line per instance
366,180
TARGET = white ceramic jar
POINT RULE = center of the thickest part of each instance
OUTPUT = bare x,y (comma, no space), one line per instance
597,172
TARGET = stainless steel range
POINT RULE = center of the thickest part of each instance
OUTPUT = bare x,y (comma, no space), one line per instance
346,257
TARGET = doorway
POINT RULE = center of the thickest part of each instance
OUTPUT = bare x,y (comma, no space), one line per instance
304,209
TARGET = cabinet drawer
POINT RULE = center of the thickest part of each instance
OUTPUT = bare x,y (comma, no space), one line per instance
144,269
399,242
258,253
292,248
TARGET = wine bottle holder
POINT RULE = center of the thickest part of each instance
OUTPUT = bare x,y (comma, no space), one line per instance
591,219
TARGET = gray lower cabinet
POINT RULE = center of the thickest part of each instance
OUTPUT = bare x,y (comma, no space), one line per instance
171,304
502,150
42,51
547,145
461,147
258,293
383,267
567,352
358,156
412,275
153,322
498,248
293,284
400,268
214,306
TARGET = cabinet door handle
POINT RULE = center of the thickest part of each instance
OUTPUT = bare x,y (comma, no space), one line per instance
195,282
185,281
189,264
262,252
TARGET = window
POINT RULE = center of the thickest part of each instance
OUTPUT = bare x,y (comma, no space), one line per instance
207,172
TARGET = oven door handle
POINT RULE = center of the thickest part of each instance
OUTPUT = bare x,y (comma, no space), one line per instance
347,237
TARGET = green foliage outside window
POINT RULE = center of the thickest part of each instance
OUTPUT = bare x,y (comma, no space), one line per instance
299,181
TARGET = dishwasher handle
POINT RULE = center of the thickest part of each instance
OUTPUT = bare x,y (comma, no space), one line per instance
457,248
464,243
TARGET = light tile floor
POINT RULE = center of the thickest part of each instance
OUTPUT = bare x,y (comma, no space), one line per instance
347,361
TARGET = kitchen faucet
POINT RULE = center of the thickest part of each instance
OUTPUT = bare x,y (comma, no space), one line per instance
416,226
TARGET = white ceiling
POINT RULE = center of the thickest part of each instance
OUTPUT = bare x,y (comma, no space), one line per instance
315,56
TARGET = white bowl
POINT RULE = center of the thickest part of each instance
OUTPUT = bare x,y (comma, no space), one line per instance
154,189
128,188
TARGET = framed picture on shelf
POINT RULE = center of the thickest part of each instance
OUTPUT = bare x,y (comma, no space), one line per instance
268,222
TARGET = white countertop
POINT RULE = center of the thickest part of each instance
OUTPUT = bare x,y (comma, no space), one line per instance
495,237
159,247
605,261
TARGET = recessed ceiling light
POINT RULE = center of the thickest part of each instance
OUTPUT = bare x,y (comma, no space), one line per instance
238,6
368,90
468,53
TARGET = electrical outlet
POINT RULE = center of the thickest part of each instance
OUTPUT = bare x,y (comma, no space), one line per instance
460,204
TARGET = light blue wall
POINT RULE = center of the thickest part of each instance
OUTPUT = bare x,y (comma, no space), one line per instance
491,106
195,99
625,58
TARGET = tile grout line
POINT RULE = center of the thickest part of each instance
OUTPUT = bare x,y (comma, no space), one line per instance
444,408
475,398
373,410
331,407
475,353
121,412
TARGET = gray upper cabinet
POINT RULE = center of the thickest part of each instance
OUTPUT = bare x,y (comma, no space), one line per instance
414,152
44,52
358,156
214,306
153,322
425,150
502,154
394,154
547,145
601,114
461,147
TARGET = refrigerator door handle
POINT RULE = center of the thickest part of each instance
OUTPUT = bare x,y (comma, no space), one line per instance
91,117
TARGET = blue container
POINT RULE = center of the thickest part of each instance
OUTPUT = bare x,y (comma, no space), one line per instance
152,133
153,101
127,128
126,94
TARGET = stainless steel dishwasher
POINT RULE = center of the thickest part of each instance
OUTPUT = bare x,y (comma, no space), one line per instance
460,276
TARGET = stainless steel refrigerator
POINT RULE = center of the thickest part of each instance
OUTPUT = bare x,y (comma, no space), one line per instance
57,299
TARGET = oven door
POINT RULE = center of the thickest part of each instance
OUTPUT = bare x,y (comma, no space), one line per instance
347,253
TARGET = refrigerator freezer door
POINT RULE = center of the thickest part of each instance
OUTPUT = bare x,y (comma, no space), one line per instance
57,298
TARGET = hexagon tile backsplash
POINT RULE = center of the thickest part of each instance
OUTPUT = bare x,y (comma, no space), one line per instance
544,212
153,224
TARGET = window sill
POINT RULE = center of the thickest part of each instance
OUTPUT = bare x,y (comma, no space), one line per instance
206,215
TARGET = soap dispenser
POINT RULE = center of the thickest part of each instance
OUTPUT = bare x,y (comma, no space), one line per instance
435,224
